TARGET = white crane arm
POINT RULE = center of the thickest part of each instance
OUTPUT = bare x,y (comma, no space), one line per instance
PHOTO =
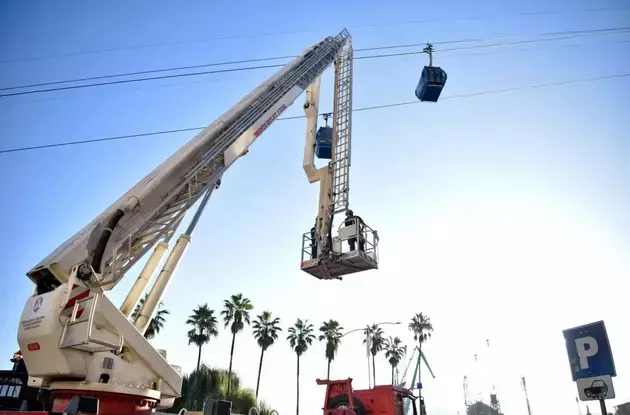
311,110
149,211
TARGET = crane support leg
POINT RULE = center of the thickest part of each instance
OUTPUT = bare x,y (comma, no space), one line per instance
324,213
155,295
323,175
311,110
143,279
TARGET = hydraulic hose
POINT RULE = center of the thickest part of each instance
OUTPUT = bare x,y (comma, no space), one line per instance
102,241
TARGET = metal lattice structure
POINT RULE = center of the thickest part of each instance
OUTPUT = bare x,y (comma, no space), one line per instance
342,130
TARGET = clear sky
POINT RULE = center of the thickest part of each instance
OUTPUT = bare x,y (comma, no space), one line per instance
502,216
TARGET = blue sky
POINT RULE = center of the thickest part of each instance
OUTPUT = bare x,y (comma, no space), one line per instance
501,216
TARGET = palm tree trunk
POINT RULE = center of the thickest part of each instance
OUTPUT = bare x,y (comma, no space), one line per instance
373,370
230,369
419,361
297,405
392,374
328,373
199,358
262,352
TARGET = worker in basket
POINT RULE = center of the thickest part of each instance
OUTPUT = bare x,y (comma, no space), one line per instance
314,241
350,220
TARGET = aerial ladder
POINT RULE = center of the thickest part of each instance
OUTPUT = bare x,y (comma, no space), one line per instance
77,344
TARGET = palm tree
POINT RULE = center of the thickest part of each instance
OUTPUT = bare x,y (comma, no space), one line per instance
394,352
300,337
204,327
236,314
421,327
331,332
266,329
377,342
157,322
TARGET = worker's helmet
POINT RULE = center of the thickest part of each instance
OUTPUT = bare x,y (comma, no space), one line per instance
349,212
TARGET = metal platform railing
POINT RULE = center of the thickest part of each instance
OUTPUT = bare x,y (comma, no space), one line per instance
366,240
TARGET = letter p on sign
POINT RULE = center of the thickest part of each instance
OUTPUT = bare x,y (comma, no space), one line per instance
589,351
586,347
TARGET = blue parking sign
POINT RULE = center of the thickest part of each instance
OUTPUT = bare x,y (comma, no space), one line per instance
589,351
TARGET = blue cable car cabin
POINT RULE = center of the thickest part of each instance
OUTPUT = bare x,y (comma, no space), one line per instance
323,143
430,84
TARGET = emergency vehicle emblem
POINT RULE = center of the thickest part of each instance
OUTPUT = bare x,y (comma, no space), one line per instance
38,304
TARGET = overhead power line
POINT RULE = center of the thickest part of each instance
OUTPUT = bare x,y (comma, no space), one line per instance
370,108
255,60
519,42
153,78
288,32
570,35
148,71
485,39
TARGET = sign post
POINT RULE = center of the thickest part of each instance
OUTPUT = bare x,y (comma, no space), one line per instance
591,362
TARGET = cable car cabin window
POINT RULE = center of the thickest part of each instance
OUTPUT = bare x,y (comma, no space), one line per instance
434,78
434,75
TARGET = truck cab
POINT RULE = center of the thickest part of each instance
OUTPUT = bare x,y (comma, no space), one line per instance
380,400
